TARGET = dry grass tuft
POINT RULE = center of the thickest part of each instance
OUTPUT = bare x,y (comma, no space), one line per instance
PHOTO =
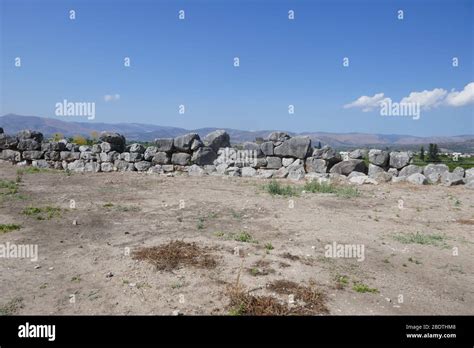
465,221
176,254
244,303
313,300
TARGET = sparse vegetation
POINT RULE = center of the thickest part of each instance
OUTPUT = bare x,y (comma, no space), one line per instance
341,281
307,301
76,279
276,189
414,261
42,213
32,170
342,191
8,187
12,307
122,208
4,228
269,246
219,234
176,254
363,288
244,237
420,238
200,223
236,214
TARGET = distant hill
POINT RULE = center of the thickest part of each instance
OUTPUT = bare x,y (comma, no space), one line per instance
148,132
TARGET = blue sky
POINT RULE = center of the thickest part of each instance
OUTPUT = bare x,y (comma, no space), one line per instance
282,62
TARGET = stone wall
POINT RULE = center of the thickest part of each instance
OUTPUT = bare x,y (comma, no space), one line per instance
279,156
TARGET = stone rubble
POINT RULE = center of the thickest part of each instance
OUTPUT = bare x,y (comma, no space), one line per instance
278,156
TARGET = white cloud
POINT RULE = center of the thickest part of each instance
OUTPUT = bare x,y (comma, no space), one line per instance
464,97
111,97
426,99
367,103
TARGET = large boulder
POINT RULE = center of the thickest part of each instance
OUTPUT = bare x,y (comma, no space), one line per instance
84,148
28,145
11,155
378,157
196,170
328,154
296,173
411,169
106,167
469,175
96,148
248,171
138,148
217,139
347,167
77,166
287,161
109,147
109,156
433,172
1,130
417,179
258,163
273,162
92,167
161,158
316,165
196,144
454,178
267,148
399,159
88,156
143,166
43,164
181,158
116,140
375,170
278,137
265,173
53,146
30,134
52,155
183,143
150,152
131,156
69,156
252,148
361,179
281,173
8,142
165,144
204,156
297,147
358,154
32,155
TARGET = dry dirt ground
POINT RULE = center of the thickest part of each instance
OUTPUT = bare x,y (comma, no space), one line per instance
87,254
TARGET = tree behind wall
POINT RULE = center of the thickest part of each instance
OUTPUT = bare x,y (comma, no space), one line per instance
433,155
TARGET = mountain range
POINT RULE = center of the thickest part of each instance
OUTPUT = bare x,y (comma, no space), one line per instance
12,123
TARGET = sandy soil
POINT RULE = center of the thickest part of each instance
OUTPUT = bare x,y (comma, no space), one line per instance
119,213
